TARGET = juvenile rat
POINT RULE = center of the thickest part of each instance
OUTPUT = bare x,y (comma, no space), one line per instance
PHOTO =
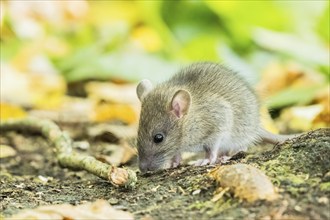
205,107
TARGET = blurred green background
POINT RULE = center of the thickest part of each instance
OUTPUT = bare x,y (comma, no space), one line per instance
130,40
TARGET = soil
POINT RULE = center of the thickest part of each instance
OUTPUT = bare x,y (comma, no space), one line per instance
299,168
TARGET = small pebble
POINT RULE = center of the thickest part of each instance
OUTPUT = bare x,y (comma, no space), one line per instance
113,201
196,192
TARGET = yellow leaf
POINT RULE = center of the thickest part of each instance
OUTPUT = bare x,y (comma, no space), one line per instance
323,98
275,78
303,118
266,121
8,111
71,110
122,112
47,91
148,38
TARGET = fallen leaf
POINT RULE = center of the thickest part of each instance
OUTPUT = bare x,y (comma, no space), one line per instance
303,118
323,98
289,84
120,154
32,89
6,151
113,112
219,194
110,92
100,209
113,101
275,78
267,121
128,154
112,132
245,182
70,110
9,111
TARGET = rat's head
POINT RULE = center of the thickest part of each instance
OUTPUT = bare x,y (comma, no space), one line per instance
161,122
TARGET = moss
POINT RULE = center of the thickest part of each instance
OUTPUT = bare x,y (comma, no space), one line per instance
223,205
298,163
325,187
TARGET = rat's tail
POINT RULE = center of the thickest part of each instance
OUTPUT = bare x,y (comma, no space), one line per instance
271,138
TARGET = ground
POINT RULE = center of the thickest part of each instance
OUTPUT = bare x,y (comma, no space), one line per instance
299,168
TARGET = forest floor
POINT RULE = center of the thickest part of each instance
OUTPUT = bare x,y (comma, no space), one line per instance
299,168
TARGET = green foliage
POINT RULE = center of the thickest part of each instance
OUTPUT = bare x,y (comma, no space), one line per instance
323,25
241,17
290,96
131,40
12,48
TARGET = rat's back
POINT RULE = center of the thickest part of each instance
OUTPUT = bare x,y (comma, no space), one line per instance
221,101
209,78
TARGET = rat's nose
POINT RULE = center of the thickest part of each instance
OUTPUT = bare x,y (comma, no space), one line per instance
145,166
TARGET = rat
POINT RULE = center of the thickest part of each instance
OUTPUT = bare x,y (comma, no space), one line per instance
204,107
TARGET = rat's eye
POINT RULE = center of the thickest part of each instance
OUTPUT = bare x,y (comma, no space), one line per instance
158,138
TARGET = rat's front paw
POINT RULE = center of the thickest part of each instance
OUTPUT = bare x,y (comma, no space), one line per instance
174,165
176,160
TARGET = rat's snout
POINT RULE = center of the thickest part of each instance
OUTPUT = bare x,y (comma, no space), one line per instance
143,167
146,166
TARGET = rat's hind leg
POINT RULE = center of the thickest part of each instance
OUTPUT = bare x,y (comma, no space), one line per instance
223,159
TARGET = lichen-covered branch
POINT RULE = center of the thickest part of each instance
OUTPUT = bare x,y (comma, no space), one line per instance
65,155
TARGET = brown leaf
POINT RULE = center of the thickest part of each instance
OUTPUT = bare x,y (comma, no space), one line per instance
120,154
114,101
7,151
99,209
277,77
305,118
112,132
71,110
114,93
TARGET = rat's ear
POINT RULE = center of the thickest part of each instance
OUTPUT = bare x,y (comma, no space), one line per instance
143,88
180,103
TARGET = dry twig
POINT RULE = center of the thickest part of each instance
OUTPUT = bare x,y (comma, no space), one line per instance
65,155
